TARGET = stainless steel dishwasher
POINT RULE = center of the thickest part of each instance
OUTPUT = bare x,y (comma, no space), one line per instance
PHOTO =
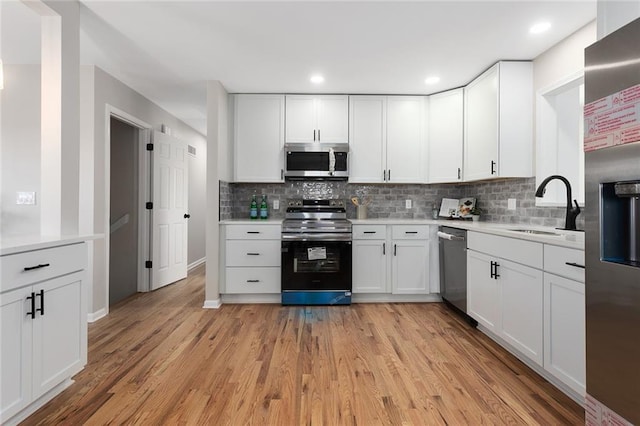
453,266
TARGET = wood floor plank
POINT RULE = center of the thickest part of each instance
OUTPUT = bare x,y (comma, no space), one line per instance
159,358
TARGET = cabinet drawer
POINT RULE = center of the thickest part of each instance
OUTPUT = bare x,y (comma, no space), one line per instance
253,232
520,251
369,232
410,232
58,260
557,260
253,280
253,253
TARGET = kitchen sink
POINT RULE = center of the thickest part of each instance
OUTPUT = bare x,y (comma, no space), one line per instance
535,232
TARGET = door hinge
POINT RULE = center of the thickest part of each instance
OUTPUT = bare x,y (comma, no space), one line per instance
149,205
149,147
148,264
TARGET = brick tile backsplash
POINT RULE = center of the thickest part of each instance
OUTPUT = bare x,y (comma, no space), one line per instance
388,201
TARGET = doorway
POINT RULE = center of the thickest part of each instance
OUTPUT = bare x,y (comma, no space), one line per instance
123,211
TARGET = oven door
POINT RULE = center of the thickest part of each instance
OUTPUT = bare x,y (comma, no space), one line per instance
316,266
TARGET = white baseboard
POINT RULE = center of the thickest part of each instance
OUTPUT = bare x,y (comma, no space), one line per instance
195,264
394,298
212,304
251,298
95,316
37,404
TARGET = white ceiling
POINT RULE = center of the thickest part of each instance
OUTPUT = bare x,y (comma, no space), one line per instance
168,50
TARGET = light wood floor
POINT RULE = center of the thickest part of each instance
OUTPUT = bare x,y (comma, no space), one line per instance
159,358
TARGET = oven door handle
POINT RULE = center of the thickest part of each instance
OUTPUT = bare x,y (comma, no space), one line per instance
328,237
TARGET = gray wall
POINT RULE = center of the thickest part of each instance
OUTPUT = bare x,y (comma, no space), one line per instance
20,149
100,89
388,201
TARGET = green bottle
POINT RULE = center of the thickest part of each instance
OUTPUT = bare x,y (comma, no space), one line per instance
264,208
253,209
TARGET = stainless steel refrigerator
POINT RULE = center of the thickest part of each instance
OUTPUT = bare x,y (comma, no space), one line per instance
612,249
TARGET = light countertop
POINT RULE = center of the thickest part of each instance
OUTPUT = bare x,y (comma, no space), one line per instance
570,239
19,244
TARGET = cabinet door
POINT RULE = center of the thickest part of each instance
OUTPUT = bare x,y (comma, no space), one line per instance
15,352
564,331
481,127
367,138
483,295
521,289
333,119
410,267
259,138
405,139
300,122
445,136
369,266
59,332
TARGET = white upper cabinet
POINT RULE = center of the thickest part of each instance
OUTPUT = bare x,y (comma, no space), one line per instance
317,119
405,139
498,118
368,138
387,139
259,138
445,136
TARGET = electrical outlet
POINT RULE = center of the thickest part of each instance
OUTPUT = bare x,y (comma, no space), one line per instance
407,204
26,198
276,204
511,204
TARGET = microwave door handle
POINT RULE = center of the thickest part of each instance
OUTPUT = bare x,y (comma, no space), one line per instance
332,160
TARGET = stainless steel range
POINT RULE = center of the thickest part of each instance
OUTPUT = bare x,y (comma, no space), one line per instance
316,253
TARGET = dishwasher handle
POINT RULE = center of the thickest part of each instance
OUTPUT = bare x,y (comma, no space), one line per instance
450,237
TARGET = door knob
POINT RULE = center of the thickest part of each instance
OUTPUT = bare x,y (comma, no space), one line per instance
187,215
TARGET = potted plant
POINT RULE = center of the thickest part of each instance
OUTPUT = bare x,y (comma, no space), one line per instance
475,213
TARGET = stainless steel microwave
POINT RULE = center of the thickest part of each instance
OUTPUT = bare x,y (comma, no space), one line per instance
316,161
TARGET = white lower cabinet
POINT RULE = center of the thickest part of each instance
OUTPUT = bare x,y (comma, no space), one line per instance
521,288
410,267
483,293
536,309
369,260
564,331
43,326
507,298
252,257
391,259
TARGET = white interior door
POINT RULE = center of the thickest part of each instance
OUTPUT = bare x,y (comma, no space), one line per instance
170,202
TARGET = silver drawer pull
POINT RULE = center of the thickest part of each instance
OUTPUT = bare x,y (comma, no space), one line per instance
253,254
253,281
577,265
42,265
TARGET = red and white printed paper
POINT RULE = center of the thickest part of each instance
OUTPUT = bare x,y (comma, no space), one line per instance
613,120
598,414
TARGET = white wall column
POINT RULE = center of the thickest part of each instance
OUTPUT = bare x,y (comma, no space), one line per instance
217,101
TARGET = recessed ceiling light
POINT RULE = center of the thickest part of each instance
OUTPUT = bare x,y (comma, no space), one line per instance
540,27
432,80
317,79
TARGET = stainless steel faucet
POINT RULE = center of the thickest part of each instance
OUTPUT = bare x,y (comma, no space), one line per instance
572,213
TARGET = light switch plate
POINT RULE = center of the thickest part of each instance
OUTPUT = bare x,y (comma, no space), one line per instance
276,204
407,204
26,198
511,204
